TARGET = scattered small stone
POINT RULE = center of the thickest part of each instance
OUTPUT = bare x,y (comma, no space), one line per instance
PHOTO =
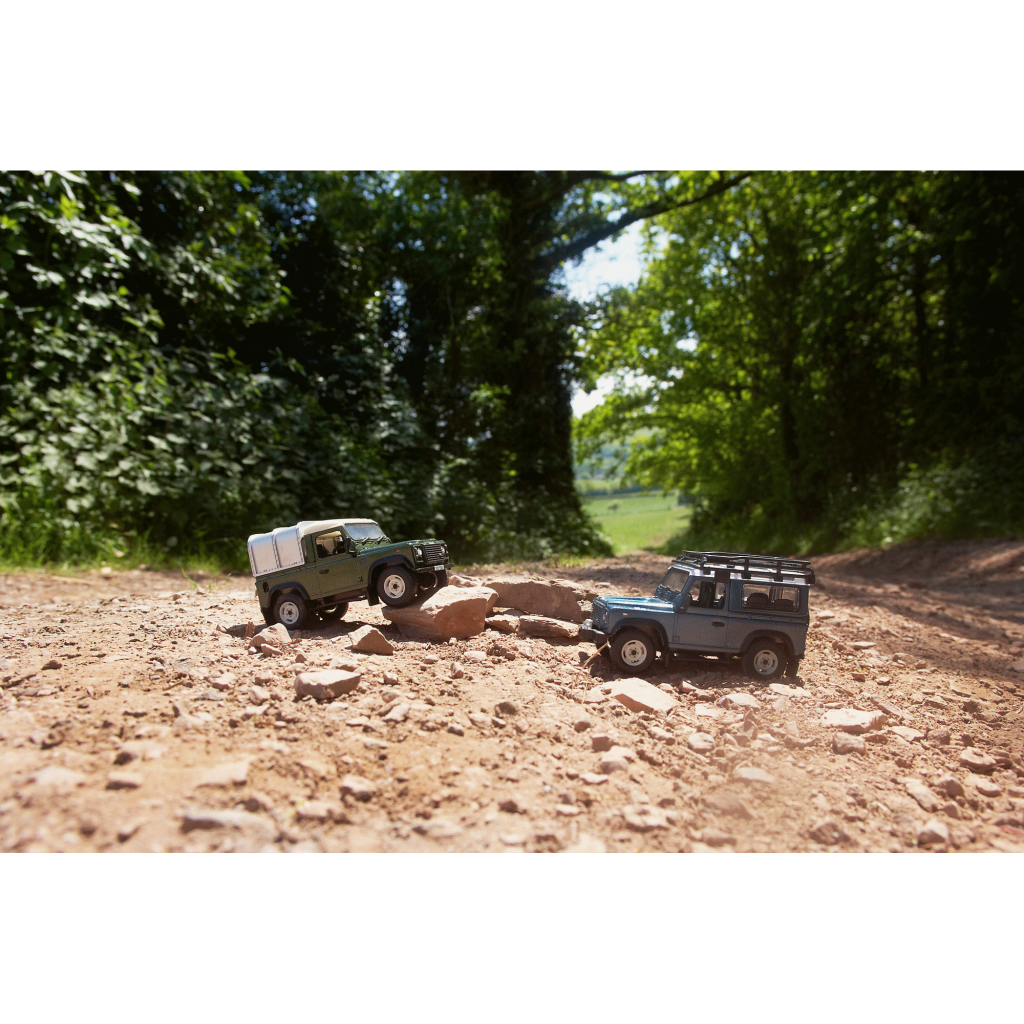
700,742
756,776
600,742
853,721
568,810
644,818
457,671
986,787
211,694
923,795
829,833
455,729
370,640
582,724
950,785
544,626
906,733
617,759
438,828
479,720
126,831
203,818
505,709
57,779
934,831
863,645
326,684
512,805
592,778
234,773
940,737
124,780
259,694
586,844
657,733
639,695
724,802
846,743
739,699
976,760
357,787
716,837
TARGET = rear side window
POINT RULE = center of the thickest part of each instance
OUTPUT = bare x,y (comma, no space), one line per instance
766,597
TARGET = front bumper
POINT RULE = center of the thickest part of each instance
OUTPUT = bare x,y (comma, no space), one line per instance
592,636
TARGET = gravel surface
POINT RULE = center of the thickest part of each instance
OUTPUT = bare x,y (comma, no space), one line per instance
133,717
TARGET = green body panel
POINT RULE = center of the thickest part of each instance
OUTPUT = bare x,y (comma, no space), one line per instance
346,576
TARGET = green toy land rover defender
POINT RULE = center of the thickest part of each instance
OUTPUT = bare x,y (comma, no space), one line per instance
316,568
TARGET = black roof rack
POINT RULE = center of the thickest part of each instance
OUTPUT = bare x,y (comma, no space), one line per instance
763,565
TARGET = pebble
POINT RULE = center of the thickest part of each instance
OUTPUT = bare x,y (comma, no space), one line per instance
661,734
950,785
986,787
724,802
314,810
58,779
438,828
479,720
934,831
582,724
512,805
906,733
923,795
601,741
644,818
716,837
124,780
851,720
568,810
211,694
326,684
205,818
615,760
757,776
234,773
455,729
457,671
976,760
592,778
358,787
700,742
399,713
477,657
505,709
829,833
586,844
739,699
259,694
845,743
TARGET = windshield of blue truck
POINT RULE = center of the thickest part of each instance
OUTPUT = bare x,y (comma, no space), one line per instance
672,585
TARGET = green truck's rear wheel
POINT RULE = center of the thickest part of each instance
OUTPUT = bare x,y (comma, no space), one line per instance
334,613
291,610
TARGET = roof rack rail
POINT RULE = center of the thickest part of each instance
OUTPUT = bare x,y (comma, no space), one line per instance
780,569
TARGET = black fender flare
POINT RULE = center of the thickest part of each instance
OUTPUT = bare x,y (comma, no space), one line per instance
767,634
289,585
383,563
653,629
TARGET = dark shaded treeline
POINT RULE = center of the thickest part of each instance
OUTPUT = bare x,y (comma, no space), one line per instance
190,357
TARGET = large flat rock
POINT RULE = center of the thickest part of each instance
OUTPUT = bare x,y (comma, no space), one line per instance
852,720
538,597
459,612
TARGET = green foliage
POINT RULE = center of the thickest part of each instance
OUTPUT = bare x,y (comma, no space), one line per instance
812,347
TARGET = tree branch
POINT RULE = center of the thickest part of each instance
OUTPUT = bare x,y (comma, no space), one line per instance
580,245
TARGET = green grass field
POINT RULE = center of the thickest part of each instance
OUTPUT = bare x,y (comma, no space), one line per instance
636,522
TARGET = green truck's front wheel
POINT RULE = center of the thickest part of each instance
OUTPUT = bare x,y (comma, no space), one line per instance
334,613
396,586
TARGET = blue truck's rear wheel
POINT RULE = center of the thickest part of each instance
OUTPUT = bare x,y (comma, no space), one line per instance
765,660
633,651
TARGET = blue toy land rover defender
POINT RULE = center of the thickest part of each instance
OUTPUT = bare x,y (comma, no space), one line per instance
717,603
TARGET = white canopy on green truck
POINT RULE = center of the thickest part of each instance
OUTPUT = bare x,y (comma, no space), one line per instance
282,548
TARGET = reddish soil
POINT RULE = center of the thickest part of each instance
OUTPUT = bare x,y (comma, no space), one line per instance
93,756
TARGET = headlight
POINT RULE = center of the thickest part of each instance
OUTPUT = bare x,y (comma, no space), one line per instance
419,554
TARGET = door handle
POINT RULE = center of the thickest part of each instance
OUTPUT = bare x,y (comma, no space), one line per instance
717,622
323,572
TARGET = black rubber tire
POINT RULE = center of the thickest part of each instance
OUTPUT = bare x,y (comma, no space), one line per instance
764,660
440,580
633,651
291,610
268,616
396,586
334,613
793,668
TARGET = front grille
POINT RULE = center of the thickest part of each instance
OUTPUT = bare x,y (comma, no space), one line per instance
433,554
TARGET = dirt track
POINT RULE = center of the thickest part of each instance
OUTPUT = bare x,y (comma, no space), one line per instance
93,757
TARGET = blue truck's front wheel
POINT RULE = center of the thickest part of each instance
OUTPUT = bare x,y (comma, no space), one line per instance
633,651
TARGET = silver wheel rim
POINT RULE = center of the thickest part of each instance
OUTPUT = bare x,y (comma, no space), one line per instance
289,612
765,662
634,653
394,586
